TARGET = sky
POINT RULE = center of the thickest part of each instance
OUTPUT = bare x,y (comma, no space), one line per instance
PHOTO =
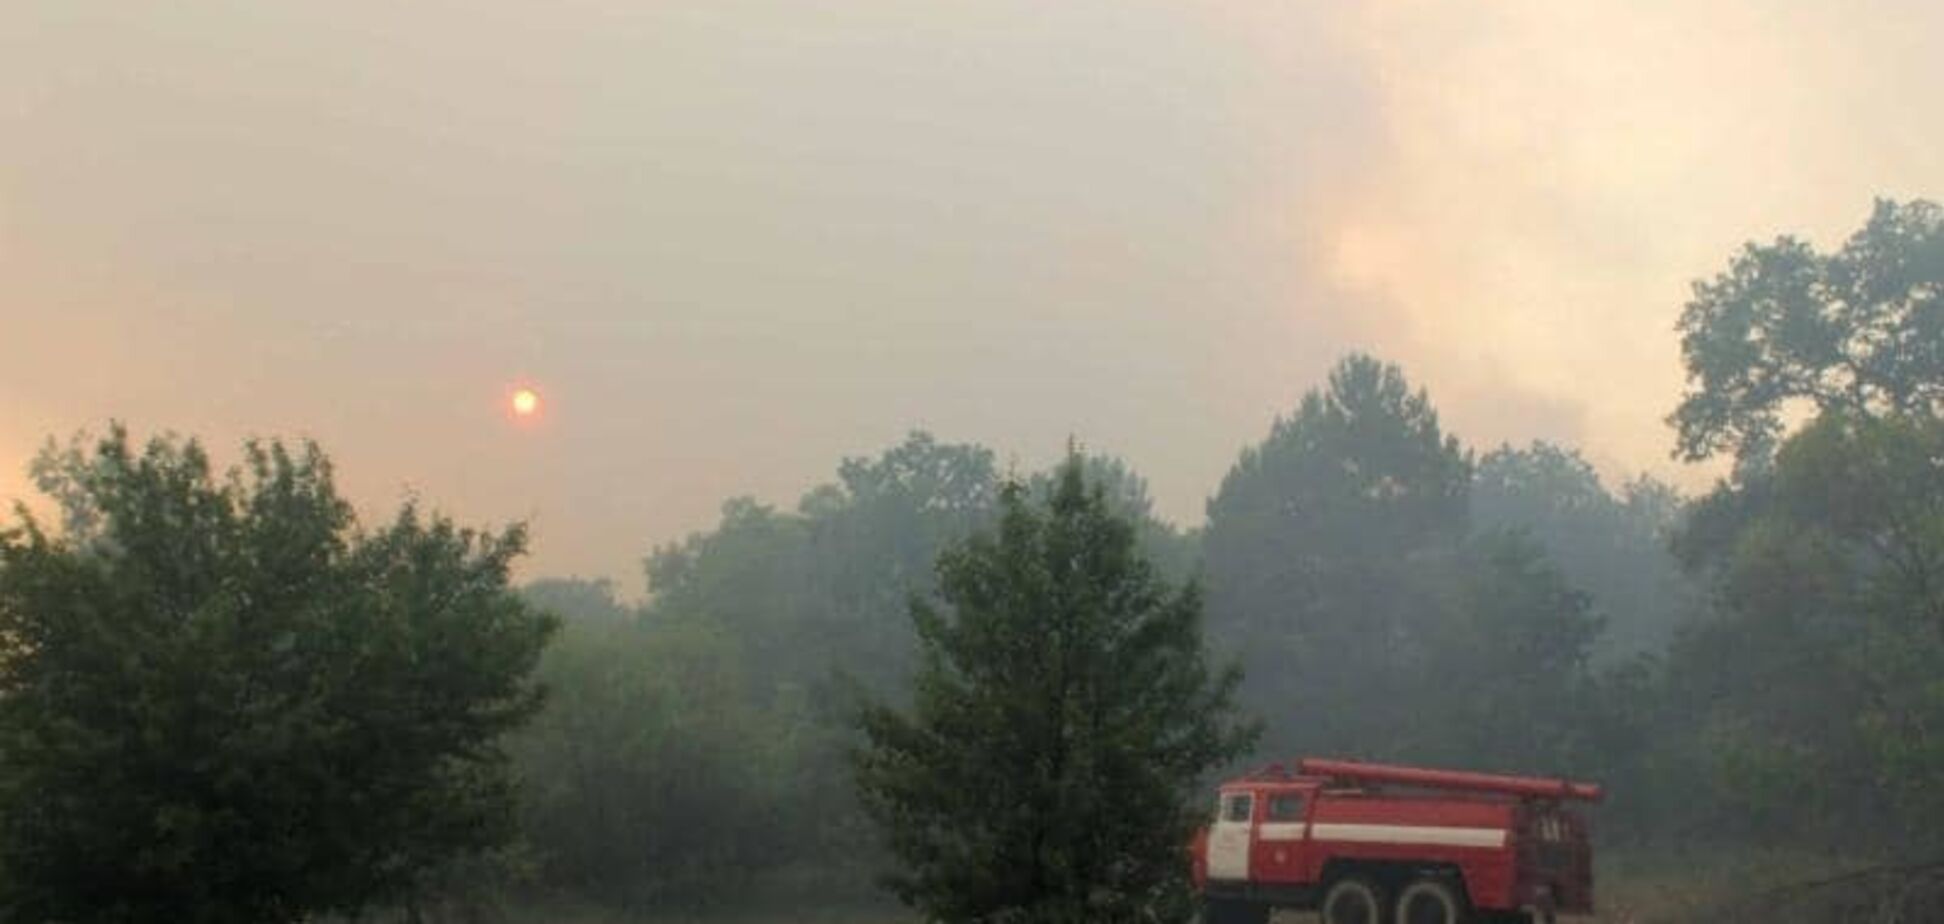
732,242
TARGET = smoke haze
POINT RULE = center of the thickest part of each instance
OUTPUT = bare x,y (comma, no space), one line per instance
734,241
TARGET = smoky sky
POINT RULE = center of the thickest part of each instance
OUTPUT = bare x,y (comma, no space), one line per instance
732,242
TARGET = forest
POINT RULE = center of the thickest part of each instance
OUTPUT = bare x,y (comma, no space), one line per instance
1752,671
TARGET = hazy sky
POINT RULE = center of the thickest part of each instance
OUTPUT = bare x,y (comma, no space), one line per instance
733,241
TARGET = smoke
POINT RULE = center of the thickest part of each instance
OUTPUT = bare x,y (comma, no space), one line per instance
735,241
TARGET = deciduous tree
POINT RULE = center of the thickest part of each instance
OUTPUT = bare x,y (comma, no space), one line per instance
1859,330
221,700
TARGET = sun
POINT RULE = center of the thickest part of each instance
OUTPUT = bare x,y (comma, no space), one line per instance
525,402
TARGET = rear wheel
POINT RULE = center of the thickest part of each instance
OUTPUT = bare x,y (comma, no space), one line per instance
1430,901
1353,901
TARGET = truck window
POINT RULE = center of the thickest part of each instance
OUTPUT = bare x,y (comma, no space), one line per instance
1238,806
1286,807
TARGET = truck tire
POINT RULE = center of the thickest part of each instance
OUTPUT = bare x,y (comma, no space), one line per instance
1430,901
1353,901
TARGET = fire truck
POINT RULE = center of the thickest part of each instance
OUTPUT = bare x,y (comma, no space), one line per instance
1368,843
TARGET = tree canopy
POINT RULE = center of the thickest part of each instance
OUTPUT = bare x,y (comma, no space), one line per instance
1816,673
221,700
1859,330
1063,711
1318,546
1612,545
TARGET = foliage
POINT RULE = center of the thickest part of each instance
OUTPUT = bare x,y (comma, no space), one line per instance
823,588
651,776
1063,712
1321,548
751,578
813,602
1612,546
874,536
1361,471
1860,330
1819,670
1174,551
1514,638
222,701
1374,620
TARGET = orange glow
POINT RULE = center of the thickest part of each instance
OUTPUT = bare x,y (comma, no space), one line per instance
526,402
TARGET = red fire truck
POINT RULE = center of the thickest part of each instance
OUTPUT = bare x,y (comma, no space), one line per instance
1378,844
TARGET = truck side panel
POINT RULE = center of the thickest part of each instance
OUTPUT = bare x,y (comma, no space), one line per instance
1472,837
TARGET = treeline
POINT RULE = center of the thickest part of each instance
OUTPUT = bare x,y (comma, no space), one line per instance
1757,662
697,746
1389,593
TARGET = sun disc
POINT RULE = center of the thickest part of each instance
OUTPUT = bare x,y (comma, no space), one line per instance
526,402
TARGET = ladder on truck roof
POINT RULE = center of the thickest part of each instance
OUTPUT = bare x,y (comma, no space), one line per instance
1525,787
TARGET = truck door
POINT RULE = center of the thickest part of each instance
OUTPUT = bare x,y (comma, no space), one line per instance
1230,836
1281,848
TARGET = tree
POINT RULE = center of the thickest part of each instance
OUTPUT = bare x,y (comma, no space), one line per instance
1612,545
223,701
1512,639
1062,713
874,536
651,777
822,589
1860,330
1323,548
750,579
815,602
1816,677
1172,550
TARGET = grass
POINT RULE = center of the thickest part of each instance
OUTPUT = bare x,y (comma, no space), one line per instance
1692,885
1634,886
539,915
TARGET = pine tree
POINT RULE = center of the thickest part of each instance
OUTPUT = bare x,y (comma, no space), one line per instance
1063,713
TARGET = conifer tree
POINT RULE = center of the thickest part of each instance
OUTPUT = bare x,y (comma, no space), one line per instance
1063,712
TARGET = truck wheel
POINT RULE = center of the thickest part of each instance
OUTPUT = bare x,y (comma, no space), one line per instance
1353,901
1430,901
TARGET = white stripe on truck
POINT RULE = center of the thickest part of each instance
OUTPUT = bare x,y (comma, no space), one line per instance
1410,834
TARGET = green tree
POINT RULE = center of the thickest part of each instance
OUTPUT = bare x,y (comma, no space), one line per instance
749,578
221,700
1860,330
805,598
651,776
874,536
1816,677
1513,639
822,589
1062,713
1375,621
1611,545
1176,552
1324,548
815,602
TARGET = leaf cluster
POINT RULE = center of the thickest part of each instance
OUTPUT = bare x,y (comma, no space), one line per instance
220,700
